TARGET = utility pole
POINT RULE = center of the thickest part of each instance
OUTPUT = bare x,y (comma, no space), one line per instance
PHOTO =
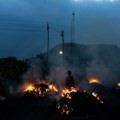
72,35
73,20
48,40
72,28
62,35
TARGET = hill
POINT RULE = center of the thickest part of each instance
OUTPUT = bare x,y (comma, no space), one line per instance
101,61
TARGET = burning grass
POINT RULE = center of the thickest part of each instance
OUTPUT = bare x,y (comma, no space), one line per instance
66,92
97,96
71,100
40,90
94,80
74,102
30,88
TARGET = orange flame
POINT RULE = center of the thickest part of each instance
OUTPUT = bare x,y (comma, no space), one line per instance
97,96
31,88
28,87
52,88
118,84
66,92
93,80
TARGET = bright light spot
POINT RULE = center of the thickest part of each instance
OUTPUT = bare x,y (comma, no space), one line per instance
60,52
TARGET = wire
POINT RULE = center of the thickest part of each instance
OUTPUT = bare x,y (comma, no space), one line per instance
28,26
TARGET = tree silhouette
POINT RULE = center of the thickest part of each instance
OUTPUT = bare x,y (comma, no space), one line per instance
11,68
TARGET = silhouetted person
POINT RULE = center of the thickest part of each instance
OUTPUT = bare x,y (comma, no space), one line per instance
69,80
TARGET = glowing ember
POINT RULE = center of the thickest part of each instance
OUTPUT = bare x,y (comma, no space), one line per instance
118,84
66,92
93,80
73,101
97,96
64,109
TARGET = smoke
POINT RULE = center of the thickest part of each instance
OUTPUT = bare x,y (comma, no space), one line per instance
33,74
89,61
58,76
104,63
42,71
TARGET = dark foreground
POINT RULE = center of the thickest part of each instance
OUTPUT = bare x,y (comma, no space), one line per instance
22,108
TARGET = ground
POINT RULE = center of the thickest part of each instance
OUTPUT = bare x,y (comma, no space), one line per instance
21,108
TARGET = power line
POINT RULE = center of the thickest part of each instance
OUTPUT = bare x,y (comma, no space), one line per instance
21,21
22,30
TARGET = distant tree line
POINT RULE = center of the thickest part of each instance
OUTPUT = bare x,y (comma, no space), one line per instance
12,69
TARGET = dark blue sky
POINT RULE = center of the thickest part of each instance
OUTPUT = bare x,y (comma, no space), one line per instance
23,24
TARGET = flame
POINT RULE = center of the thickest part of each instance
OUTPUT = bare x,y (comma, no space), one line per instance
30,88
118,84
37,90
52,88
93,80
97,96
66,92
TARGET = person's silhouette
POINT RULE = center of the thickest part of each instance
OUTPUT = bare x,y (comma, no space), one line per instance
69,80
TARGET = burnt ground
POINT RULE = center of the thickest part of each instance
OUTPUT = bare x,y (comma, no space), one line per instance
22,108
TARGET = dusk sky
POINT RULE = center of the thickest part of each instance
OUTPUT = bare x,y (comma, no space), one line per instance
23,24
